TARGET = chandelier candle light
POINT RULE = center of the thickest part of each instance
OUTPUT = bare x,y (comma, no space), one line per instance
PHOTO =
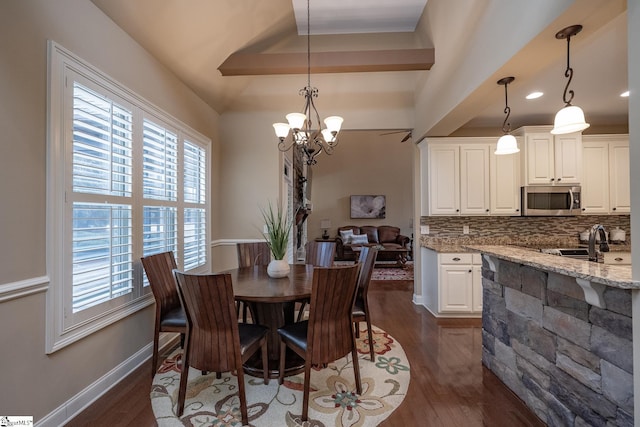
507,143
570,118
311,141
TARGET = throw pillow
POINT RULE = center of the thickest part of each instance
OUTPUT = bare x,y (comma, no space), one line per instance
359,239
346,236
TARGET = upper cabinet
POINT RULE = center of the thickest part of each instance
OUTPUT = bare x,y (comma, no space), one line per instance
458,177
504,182
606,180
550,159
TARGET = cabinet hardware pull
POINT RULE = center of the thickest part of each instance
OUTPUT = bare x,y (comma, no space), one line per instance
456,259
559,179
469,271
553,179
457,210
618,259
614,209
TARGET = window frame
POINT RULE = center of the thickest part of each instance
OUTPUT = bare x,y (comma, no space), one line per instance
64,327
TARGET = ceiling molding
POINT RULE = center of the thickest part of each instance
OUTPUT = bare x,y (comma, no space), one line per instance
257,64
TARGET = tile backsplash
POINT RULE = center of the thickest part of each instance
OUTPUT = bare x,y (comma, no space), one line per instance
527,228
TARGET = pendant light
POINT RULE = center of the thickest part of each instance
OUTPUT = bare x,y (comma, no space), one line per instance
570,118
507,143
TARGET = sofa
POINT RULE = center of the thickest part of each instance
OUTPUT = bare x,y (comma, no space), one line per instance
384,235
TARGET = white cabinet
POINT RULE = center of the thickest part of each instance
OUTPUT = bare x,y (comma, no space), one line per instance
619,176
458,176
460,283
504,187
551,159
444,179
606,181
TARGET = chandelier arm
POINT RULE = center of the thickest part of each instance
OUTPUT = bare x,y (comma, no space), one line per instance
282,145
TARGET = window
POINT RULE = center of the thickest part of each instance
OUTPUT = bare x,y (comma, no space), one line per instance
125,181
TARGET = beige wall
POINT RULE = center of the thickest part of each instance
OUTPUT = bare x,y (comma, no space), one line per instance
38,384
364,162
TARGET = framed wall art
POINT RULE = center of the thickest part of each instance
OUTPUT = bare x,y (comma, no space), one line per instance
368,206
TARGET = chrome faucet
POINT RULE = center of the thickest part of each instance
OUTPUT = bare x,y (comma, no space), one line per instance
604,246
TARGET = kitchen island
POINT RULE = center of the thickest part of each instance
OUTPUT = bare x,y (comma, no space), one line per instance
558,332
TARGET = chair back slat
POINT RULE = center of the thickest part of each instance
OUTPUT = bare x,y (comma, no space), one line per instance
253,253
159,269
330,334
367,261
320,254
213,337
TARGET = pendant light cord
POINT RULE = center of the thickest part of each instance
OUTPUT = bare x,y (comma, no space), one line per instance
308,43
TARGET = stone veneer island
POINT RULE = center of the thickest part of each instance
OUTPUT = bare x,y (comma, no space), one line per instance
558,333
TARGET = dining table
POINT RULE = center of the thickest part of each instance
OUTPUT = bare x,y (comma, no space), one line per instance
272,304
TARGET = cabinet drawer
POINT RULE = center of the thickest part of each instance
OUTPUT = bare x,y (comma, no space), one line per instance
617,258
457,258
477,259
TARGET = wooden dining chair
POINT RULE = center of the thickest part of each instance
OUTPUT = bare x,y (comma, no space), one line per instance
328,335
250,254
360,313
170,316
318,254
215,341
253,253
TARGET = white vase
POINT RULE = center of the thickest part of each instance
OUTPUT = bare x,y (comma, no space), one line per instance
278,268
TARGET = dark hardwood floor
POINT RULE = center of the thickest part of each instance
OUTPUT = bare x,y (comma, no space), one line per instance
449,386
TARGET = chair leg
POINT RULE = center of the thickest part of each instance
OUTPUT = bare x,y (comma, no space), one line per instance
356,369
356,328
305,395
182,390
265,361
303,305
370,332
154,358
283,353
243,396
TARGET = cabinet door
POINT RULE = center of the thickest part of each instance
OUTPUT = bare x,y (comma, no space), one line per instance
595,183
474,179
568,158
619,175
456,288
444,180
504,187
539,159
477,287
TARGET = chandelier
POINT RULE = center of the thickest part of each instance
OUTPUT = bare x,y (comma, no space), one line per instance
305,133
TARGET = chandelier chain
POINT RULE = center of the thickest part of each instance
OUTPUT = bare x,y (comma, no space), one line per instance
568,73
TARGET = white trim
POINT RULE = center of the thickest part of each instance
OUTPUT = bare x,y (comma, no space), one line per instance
78,403
418,300
232,242
22,288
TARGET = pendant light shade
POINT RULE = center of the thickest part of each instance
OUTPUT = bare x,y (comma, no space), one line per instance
570,118
507,144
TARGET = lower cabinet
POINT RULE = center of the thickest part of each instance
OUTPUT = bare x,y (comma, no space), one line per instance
452,283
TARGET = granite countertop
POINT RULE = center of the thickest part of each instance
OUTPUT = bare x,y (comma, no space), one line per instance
618,276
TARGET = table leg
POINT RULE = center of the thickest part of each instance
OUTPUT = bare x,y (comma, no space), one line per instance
274,316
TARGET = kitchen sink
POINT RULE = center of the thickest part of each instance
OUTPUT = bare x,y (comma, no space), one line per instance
576,253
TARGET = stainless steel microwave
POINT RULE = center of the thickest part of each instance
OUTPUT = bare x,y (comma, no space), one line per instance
556,200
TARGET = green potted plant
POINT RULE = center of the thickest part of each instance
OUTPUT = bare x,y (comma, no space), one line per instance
277,236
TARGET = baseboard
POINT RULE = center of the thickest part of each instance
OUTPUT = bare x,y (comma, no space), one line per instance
418,299
78,403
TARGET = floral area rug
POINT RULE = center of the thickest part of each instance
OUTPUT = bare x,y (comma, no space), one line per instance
332,399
